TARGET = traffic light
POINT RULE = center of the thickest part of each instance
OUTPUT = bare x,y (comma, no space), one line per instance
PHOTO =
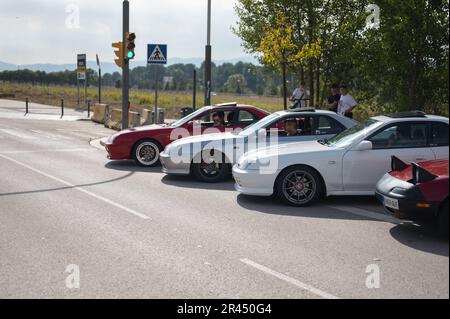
119,53
130,46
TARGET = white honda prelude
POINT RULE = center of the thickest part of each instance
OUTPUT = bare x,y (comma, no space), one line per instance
351,163
209,157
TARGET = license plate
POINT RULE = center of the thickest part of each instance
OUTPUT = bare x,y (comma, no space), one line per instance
391,203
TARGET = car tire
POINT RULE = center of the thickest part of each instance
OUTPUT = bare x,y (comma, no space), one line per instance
212,172
299,186
146,153
442,221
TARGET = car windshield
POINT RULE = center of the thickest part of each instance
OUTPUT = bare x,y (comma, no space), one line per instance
347,137
188,118
260,124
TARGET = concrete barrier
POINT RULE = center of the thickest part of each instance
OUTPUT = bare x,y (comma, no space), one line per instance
134,119
100,114
148,117
115,119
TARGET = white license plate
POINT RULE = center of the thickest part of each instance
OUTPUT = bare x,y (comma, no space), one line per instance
391,203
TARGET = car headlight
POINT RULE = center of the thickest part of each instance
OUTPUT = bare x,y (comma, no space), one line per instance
399,191
167,149
112,138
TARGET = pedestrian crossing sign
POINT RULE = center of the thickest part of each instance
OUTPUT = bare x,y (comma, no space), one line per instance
157,54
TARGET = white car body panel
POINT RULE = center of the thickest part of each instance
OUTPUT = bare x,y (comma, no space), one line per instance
346,171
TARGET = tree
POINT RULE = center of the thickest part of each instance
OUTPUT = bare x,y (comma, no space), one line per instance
236,84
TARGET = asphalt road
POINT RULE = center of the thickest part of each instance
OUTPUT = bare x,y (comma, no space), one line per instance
136,233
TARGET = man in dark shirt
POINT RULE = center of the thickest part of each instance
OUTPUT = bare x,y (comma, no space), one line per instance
333,99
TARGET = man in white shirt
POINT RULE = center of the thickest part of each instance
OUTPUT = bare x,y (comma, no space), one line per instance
347,103
300,96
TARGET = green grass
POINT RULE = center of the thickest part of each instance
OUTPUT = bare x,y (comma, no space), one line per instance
171,101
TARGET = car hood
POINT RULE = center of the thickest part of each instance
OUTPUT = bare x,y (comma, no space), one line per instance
205,138
153,127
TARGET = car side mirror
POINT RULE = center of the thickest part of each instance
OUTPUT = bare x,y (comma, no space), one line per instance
364,146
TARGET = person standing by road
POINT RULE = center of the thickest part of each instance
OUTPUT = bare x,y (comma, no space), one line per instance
300,96
346,103
334,98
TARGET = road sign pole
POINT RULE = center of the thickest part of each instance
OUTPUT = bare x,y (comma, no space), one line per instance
155,118
126,66
208,59
99,86
85,89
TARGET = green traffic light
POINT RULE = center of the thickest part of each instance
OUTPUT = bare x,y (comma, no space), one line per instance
130,54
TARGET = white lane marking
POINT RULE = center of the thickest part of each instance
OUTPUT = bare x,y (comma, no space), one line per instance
50,151
17,133
288,279
106,200
51,136
368,214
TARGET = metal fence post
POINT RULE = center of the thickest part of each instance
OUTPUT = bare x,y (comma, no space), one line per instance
89,108
62,108
26,106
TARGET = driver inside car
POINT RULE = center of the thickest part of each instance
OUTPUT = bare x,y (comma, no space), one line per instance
218,119
291,127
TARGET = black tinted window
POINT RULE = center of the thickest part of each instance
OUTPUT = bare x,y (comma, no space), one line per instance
439,134
327,125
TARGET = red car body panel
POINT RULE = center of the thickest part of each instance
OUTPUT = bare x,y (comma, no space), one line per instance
122,147
435,190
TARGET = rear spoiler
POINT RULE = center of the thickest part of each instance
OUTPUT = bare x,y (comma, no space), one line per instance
421,175
397,164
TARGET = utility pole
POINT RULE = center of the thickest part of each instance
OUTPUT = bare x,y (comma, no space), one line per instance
99,81
208,57
126,65
285,97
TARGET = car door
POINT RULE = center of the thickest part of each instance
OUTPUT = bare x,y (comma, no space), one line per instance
405,140
439,139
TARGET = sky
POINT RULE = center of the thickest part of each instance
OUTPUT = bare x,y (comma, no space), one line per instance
54,31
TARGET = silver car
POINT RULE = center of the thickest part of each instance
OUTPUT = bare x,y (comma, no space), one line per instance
209,158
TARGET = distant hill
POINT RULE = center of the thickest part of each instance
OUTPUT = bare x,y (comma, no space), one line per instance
111,67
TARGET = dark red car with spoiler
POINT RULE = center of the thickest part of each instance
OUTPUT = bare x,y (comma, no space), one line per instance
417,191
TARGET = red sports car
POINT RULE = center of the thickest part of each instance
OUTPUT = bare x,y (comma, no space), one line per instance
417,191
144,144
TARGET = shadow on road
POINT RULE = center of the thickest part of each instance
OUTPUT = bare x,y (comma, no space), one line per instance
190,182
422,238
131,166
68,187
270,205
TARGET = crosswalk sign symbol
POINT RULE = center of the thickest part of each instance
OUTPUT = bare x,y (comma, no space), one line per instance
157,54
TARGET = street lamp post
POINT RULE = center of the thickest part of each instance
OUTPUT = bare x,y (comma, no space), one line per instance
208,62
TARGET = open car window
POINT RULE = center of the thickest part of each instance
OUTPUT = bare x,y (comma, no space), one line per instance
293,126
401,135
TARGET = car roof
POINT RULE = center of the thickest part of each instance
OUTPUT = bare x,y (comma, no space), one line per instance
409,117
228,106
